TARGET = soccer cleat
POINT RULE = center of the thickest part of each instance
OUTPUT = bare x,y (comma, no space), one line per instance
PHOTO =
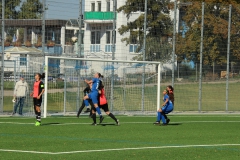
101,119
37,123
118,122
94,124
87,110
157,122
168,120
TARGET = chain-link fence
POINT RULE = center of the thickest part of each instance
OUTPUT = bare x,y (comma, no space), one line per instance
197,44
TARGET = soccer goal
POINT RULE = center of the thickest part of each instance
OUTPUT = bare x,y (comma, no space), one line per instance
132,87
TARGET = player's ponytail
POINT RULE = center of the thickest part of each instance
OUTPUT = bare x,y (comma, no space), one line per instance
100,76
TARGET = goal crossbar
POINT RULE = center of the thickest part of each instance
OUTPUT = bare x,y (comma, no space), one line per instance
98,60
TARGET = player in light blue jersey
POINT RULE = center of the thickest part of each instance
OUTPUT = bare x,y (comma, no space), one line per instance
167,107
93,95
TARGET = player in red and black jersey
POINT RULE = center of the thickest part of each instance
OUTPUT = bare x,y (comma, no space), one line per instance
103,104
38,90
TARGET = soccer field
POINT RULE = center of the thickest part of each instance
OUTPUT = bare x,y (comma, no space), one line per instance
186,137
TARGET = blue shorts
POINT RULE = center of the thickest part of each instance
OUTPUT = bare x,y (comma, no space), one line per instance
167,109
94,97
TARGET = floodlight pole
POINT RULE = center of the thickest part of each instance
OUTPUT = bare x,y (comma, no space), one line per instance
43,27
174,40
79,52
113,50
228,53
144,52
80,30
201,59
2,64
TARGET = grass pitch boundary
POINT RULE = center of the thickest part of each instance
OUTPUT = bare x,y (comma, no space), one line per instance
118,149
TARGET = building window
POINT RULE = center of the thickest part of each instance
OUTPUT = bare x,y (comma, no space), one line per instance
95,37
109,27
133,48
109,39
99,6
93,7
108,6
133,44
23,60
96,28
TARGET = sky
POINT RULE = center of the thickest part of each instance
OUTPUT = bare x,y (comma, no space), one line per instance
63,9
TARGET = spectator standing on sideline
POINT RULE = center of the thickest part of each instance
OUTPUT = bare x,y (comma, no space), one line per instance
20,92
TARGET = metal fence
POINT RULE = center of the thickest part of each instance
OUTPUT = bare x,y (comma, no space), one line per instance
196,43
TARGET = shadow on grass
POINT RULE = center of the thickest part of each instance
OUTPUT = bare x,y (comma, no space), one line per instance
108,124
47,124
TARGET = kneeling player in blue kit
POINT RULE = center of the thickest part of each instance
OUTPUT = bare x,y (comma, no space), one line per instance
167,107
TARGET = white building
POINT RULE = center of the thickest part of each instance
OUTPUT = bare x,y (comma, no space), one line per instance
98,30
98,19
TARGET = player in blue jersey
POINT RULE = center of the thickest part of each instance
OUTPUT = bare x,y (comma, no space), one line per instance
103,104
167,107
93,95
170,90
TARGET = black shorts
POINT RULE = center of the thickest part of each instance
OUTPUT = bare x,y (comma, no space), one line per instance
103,107
37,102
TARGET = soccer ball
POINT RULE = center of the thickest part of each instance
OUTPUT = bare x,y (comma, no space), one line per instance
13,100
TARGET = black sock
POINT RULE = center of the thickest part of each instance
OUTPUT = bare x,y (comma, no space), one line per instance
80,109
94,117
38,117
90,114
113,117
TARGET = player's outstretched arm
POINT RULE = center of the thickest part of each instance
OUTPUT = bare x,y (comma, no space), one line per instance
88,82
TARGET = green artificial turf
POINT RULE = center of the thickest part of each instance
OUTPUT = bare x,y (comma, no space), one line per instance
181,139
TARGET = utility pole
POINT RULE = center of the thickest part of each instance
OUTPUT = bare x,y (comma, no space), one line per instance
144,52
174,40
43,27
78,64
2,64
113,49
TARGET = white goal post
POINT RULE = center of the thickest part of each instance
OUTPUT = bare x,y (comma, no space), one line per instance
47,58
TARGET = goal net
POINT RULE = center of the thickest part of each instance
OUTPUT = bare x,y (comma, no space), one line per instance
132,87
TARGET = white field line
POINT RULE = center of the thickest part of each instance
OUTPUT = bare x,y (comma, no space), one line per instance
123,122
117,149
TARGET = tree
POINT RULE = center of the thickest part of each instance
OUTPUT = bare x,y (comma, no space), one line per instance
11,11
30,9
215,40
159,27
